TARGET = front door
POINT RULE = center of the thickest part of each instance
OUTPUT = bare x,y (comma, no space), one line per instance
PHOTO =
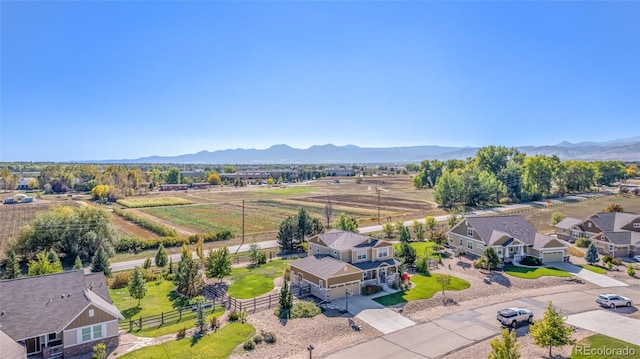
383,275
33,345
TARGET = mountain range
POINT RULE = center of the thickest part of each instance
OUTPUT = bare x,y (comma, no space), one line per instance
622,149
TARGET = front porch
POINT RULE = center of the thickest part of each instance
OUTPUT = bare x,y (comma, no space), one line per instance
385,274
510,253
45,346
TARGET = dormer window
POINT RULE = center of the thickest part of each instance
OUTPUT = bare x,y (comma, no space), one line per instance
589,224
383,252
362,255
469,232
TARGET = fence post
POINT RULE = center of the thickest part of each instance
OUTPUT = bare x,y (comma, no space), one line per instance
180,312
269,301
140,323
254,304
161,318
130,325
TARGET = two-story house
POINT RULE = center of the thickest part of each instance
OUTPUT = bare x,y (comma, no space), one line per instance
339,261
513,238
616,234
56,315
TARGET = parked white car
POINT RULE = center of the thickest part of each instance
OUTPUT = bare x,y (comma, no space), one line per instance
512,316
613,300
636,258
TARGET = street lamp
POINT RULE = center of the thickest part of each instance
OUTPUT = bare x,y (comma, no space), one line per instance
310,349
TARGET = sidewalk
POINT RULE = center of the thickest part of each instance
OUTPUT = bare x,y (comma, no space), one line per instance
595,278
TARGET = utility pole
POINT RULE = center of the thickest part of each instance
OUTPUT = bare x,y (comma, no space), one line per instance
238,250
378,190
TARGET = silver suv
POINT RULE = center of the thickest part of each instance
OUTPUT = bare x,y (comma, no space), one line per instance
613,300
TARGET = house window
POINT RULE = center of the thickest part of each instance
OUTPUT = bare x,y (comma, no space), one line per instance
469,232
611,248
335,253
500,250
91,313
589,224
575,234
636,225
383,252
317,249
469,245
320,283
362,255
461,242
90,333
366,275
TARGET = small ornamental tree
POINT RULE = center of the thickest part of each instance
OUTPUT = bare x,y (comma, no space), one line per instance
161,256
592,254
99,351
346,223
42,265
505,346
147,263
418,230
388,229
254,253
430,222
100,262
218,263
492,258
285,301
444,280
137,285
551,331
556,218
613,207
77,264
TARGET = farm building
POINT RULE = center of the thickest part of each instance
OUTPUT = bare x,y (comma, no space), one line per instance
173,187
201,185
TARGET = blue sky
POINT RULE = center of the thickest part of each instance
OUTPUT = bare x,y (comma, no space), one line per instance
113,80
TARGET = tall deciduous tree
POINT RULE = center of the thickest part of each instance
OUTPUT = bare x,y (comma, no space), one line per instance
42,265
137,286
418,230
346,223
551,331
492,258
100,262
505,346
449,190
537,174
254,253
592,254
214,178
218,263
173,176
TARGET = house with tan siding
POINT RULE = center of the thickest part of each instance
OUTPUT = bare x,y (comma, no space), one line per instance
59,315
340,261
614,233
513,238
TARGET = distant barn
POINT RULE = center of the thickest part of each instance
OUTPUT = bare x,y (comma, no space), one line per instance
173,187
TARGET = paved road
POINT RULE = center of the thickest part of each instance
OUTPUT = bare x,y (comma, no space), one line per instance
443,336
273,244
119,266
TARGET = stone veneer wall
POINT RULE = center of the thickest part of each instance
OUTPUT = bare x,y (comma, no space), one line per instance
85,348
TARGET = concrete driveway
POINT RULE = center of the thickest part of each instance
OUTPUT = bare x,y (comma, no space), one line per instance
595,278
608,323
375,314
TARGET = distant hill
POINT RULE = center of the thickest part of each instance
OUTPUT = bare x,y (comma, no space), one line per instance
623,149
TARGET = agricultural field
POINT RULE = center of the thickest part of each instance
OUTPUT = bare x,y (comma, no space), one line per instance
14,216
141,202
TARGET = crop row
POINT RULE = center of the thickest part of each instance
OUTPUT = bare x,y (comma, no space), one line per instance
153,202
152,226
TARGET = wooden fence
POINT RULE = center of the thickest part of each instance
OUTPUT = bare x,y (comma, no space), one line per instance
250,305
166,317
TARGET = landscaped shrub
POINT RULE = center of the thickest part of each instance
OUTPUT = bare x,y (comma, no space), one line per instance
422,265
120,280
181,333
616,261
481,263
304,309
631,271
583,242
249,345
258,339
371,289
269,337
531,261
607,259
234,316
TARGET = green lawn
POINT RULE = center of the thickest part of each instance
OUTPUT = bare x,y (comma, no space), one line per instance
160,298
249,282
211,346
420,247
595,269
602,341
425,287
534,273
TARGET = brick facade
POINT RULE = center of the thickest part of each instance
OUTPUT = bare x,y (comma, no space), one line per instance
86,348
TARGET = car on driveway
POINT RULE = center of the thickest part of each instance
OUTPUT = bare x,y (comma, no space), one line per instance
636,258
511,316
613,300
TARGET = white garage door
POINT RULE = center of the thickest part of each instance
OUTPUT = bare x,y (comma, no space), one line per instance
340,290
550,257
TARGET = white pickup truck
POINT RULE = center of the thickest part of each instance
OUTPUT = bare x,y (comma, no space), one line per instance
512,316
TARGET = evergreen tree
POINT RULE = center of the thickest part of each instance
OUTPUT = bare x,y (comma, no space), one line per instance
405,235
161,256
492,258
147,263
285,301
592,254
42,265
170,265
551,330
137,285
100,262
407,253
13,266
505,346
77,264
54,258
200,318
188,279
218,263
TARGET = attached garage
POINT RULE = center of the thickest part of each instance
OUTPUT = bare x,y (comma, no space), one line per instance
340,290
329,277
555,256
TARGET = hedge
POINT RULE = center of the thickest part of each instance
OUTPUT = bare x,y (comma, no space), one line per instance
152,226
136,244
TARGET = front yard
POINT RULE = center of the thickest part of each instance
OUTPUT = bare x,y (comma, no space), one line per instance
594,269
249,282
425,287
534,273
213,345
594,347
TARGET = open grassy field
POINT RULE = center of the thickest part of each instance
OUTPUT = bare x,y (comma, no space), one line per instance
141,202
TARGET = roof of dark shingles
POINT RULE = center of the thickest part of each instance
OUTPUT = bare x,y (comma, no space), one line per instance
45,304
321,266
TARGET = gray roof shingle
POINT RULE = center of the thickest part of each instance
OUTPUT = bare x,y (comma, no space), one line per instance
515,226
341,240
44,304
619,238
612,221
322,266
10,348
568,222
376,264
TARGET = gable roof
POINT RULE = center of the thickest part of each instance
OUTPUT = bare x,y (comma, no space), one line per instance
342,240
619,238
540,241
515,226
321,266
568,223
39,305
10,348
370,265
612,221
